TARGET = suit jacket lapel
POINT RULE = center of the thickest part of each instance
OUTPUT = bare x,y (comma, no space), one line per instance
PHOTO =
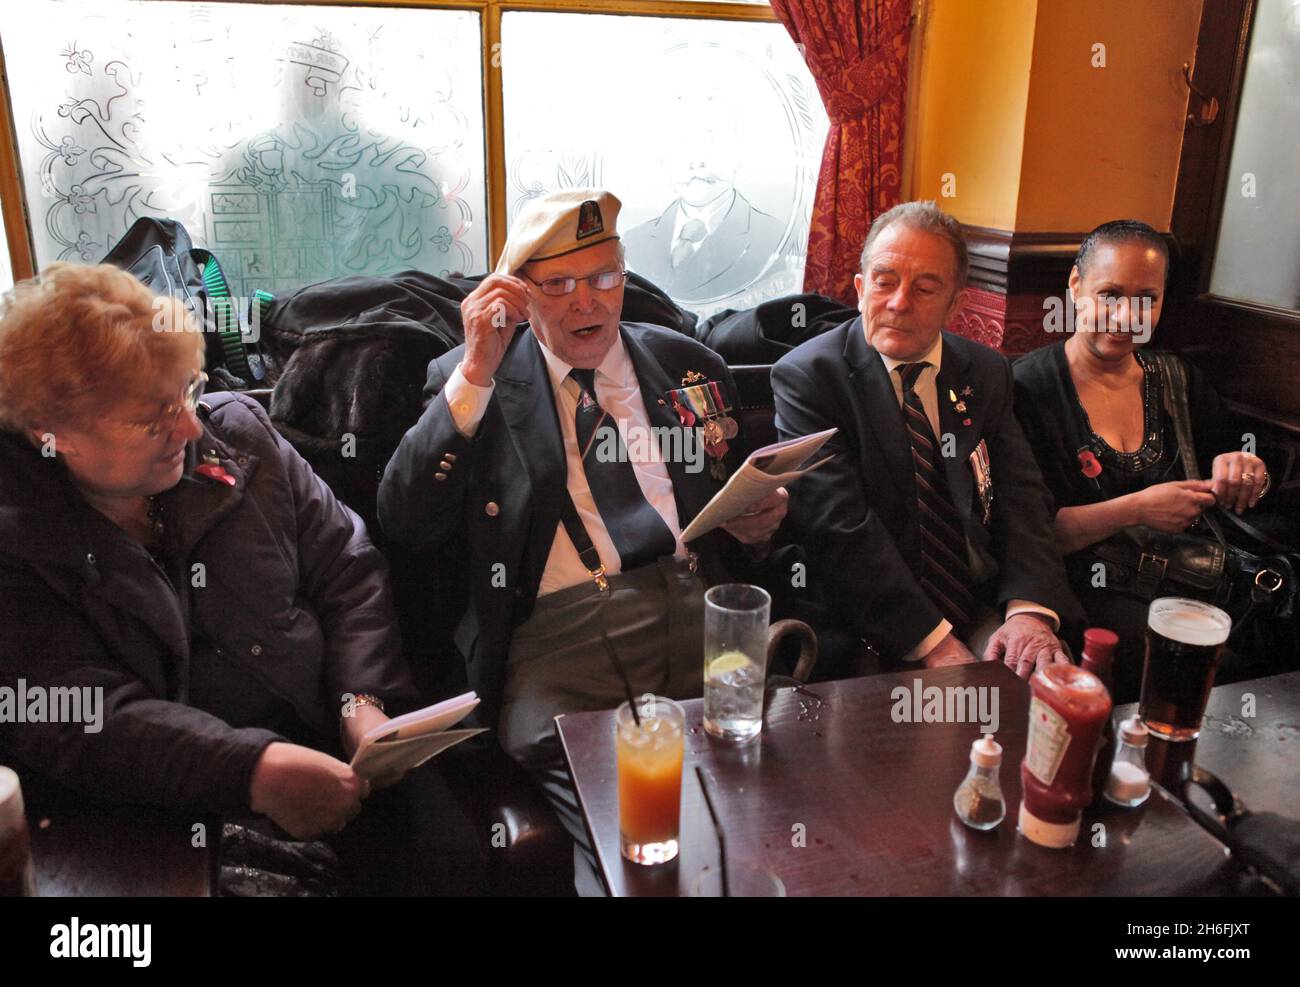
691,490
880,411
528,406
954,374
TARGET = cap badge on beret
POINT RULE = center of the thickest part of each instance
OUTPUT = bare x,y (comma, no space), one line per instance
589,221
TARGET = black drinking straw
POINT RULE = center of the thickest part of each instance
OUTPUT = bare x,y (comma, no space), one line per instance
627,686
717,828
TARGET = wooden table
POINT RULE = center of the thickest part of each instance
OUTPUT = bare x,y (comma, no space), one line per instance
120,851
843,800
1257,756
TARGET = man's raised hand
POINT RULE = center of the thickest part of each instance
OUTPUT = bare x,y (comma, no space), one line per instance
490,313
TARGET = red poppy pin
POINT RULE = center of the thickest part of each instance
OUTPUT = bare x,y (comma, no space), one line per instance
1089,465
211,469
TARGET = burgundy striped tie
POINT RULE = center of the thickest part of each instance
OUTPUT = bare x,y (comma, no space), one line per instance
944,567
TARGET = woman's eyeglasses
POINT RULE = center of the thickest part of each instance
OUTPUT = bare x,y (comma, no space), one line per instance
604,281
171,413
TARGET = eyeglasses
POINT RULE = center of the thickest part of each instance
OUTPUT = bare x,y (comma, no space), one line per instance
171,413
604,281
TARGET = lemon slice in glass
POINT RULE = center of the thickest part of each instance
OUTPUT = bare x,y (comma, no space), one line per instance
732,661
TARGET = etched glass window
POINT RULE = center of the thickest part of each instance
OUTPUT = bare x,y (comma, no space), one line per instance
296,143
710,133
1258,255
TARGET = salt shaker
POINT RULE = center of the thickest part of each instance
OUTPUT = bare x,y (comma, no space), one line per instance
978,799
1129,783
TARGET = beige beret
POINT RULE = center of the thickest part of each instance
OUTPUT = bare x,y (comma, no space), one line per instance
558,224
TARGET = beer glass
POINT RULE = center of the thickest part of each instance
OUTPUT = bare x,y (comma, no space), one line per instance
649,756
1184,640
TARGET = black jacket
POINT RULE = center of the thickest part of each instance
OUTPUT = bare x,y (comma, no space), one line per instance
499,503
291,605
856,516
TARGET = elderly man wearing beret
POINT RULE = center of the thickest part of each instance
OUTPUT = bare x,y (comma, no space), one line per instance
554,468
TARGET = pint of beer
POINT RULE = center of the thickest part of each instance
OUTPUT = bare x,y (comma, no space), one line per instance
16,876
1184,641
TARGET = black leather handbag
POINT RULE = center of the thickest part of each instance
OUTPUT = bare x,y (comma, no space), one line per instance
1201,563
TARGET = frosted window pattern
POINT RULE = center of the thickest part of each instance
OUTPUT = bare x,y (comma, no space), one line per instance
295,143
1258,255
709,132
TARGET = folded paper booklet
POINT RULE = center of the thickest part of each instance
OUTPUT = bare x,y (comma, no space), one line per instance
773,466
405,742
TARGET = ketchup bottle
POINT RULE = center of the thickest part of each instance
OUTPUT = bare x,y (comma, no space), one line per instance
1066,715
1098,655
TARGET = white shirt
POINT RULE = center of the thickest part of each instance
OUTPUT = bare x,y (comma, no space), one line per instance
619,393
927,389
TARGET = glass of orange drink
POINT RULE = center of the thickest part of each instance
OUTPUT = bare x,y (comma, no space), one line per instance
649,778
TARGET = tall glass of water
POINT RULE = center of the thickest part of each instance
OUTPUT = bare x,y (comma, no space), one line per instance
735,660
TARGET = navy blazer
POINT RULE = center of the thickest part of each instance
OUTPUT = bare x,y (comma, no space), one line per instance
494,516
857,514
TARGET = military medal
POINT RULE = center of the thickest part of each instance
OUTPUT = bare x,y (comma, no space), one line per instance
700,403
979,464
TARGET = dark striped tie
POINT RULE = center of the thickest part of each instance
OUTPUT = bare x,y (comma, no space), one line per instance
945,571
636,528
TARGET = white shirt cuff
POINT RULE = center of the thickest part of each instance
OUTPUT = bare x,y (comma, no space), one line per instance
468,402
1024,606
929,642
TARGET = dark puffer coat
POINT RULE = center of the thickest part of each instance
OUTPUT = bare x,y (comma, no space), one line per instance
289,609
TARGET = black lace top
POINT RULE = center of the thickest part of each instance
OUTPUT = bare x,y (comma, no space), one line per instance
1056,426
1157,460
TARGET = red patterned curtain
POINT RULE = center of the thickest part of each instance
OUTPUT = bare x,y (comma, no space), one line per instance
857,53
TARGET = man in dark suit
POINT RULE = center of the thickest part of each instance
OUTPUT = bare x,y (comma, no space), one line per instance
551,468
931,527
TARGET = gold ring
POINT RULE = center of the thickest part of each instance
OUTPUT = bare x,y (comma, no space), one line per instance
1247,477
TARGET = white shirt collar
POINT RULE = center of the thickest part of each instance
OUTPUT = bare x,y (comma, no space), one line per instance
614,368
933,356
711,215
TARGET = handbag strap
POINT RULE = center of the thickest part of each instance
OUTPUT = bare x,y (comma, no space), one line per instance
1173,374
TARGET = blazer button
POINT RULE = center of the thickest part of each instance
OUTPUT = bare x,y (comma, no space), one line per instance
440,476
491,510
449,456
90,558
444,465
255,651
